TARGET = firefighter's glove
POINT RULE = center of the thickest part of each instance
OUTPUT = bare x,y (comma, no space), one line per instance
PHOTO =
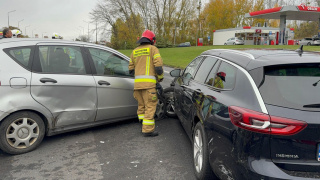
131,72
160,77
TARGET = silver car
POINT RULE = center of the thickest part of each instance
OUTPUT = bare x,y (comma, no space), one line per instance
54,86
235,41
306,41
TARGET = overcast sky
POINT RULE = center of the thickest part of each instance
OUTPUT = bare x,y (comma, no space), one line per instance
48,16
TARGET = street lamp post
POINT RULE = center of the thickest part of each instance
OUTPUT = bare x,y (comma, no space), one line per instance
88,28
32,32
82,28
8,17
25,29
199,8
19,22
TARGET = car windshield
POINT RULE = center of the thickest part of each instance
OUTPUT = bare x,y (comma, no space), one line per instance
294,86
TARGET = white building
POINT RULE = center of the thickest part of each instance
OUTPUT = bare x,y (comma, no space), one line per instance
251,35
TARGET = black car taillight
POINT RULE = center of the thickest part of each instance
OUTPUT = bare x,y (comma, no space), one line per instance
263,123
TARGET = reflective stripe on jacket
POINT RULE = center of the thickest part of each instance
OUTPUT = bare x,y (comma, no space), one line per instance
143,60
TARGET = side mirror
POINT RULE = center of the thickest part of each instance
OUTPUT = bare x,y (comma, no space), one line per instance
175,73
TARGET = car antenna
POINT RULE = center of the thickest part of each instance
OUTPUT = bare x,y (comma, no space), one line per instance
300,50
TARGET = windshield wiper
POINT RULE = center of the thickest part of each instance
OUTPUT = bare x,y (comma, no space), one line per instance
312,106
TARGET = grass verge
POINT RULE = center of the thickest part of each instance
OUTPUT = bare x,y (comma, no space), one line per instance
181,57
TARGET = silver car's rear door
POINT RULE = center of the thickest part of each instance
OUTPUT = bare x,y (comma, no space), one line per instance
62,82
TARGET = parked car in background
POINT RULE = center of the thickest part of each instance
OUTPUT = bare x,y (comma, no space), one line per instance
307,41
185,44
251,114
316,41
235,41
50,87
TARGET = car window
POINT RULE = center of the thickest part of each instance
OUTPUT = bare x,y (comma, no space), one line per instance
61,60
294,86
232,38
191,69
212,74
21,54
204,69
225,76
107,63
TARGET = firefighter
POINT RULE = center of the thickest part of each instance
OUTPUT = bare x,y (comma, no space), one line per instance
221,76
146,65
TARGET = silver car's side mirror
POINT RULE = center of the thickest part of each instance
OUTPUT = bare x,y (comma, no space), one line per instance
175,72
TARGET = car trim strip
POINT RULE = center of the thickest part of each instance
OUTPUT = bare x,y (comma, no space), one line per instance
254,86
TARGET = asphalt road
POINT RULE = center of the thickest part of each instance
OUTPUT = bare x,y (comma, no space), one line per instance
113,151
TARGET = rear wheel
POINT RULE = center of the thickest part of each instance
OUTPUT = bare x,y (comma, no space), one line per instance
201,154
21,132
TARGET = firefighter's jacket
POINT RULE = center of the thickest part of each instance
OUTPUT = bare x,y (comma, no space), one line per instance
143,61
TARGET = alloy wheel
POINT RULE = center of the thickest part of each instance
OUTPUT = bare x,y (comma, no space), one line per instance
170,104
22,133
159,114
198,150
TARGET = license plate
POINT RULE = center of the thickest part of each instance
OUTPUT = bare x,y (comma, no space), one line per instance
318,152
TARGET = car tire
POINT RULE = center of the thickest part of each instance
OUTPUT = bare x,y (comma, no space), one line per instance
225,43
234,43
169,102
309,44
200,153
160,110
21,132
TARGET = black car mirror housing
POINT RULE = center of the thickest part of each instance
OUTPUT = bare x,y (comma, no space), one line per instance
175,73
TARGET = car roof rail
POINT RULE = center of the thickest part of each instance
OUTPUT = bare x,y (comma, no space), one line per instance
248,55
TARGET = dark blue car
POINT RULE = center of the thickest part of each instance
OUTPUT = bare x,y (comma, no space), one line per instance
251,114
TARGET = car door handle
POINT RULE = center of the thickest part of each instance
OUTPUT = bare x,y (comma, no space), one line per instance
198,90
101,82
44,80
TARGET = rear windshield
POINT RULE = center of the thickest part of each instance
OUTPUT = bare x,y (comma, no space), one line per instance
294,86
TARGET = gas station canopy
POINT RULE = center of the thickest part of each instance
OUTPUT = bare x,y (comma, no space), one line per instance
301,12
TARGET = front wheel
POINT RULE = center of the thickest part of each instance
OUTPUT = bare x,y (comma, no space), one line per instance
21,132
309,44
169,102
201,154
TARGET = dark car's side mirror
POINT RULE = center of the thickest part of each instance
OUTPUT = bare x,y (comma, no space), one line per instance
175,73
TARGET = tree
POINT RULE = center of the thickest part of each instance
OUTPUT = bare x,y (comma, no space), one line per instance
133,16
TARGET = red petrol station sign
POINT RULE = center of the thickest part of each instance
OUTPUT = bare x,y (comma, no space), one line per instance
303,7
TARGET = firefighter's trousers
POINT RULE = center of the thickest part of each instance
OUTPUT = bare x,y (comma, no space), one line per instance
147,104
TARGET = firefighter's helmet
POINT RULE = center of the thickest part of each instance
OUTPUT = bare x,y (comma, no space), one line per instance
150,35
222,75
16,33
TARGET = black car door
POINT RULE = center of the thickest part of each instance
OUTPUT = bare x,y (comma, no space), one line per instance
193,92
